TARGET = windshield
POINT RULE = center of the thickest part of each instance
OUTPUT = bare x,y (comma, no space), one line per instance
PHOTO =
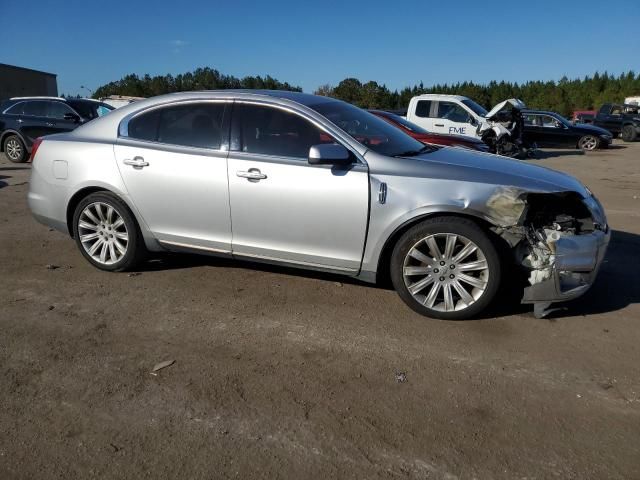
475,108
562,120
369,130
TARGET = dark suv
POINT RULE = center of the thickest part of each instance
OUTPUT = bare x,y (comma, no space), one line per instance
619,119
24,119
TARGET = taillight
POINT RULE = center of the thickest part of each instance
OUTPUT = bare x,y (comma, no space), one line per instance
34,148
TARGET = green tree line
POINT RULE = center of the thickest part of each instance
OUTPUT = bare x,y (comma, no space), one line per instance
563,96
201,79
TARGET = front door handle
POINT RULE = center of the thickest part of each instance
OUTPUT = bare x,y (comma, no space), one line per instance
252,174
439,124
51,124
137,162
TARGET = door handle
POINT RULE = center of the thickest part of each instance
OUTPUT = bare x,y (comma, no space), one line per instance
51,124
137,162
252,174
439,124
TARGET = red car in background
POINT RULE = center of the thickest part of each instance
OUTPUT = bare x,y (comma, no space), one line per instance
583,116
424,136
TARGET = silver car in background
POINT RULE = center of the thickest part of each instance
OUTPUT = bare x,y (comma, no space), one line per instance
316,183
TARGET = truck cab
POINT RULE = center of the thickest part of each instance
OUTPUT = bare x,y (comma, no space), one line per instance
619,119
449,114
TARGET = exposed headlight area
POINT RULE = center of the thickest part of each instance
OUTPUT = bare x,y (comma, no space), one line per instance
597,213
560,239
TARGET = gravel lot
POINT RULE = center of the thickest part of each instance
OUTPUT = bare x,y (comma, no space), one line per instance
287,374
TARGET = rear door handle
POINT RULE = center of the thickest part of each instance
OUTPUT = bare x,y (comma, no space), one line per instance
252,174
51,124
137,162
439,124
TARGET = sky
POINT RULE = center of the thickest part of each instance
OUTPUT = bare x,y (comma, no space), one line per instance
396,43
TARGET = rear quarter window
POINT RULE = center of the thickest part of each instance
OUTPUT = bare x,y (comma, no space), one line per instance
423,108
15,109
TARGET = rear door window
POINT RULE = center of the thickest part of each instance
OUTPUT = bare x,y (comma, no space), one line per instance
35,108
191,125
58,110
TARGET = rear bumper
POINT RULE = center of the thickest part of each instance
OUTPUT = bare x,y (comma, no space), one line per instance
577,261
47,201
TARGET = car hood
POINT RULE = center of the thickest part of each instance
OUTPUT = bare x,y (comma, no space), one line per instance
585,128
470,166
515,103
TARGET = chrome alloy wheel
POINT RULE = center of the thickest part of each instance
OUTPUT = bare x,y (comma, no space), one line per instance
446,272
13,149
588,143
103,233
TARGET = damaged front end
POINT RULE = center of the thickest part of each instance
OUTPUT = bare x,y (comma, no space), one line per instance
559,238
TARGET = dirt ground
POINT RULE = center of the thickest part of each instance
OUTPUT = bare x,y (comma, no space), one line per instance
286,374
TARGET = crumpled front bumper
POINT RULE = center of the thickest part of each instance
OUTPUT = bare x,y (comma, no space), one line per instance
577,261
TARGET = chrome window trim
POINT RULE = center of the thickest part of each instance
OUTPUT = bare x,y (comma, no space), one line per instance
295,161
123,127
171,147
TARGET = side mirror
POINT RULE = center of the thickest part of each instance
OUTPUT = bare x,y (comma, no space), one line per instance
72,116
473,122
329,154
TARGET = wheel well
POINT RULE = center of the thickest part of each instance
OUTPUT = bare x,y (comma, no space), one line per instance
384,261
75,200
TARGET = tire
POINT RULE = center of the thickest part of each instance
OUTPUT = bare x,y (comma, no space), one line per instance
629,133
14,149
589,143
416,275
94,226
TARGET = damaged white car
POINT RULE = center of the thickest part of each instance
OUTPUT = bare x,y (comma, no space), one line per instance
316,183
500,128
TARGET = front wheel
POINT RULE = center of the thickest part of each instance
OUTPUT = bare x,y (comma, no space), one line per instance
106,232
446,267
588,143
629,133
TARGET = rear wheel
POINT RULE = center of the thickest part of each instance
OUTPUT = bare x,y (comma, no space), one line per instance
107,233
446,267
629,133
14,149
588,142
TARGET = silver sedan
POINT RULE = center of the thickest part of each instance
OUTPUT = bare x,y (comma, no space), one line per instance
316,183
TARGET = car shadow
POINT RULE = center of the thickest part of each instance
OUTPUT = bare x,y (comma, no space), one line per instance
544,154
617,285
178,261
615,288
6,169
2,183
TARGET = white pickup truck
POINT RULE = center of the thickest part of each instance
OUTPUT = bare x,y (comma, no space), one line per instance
451,114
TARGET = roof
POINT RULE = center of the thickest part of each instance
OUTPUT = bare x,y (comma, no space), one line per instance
439,95
37,97
28,69
298,97
541,112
